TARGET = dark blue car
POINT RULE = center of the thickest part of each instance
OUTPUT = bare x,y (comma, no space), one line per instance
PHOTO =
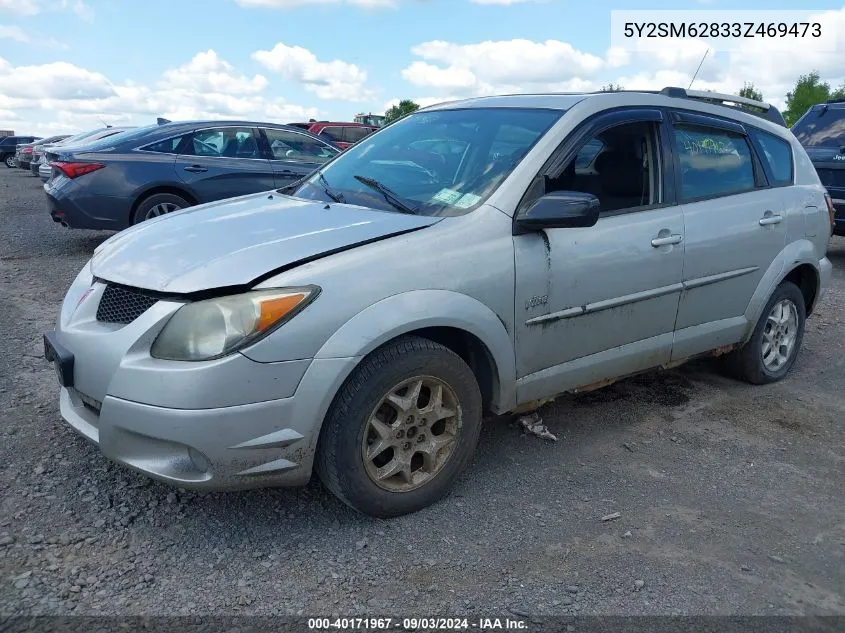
149,171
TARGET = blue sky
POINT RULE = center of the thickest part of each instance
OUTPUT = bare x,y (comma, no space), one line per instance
65,64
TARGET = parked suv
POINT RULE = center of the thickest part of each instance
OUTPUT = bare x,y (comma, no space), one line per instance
822,133
360,322
341,135
154,170
9,145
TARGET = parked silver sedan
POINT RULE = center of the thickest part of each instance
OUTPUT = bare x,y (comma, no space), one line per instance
467,258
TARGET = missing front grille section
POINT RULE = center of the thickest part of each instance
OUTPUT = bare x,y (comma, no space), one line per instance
123,305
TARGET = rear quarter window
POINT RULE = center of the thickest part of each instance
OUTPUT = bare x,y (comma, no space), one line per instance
777,153
167,146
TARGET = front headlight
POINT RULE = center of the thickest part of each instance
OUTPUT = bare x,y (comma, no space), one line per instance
204,330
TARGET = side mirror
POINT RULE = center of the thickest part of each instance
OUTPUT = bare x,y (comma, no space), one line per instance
559,210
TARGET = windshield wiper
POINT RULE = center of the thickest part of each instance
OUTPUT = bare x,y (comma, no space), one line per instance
337,197
388,194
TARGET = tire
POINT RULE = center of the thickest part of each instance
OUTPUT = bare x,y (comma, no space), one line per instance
10,161
747,362
341,462
158,200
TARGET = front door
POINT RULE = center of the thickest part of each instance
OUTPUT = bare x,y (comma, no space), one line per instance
295,155
736,225
600,302
224,162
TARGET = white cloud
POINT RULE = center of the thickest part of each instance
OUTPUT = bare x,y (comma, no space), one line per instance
21,7
58,80
335,79
15,33
287,4
505,66
206,72
34,7
206,87
502,2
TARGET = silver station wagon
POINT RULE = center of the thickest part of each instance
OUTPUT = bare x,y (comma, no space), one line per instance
479,256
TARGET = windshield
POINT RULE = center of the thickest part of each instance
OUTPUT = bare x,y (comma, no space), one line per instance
821,126
432,163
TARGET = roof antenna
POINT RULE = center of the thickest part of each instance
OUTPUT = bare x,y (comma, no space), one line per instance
103,122
697,69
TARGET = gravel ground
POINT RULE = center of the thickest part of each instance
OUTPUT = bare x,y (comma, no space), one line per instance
730,497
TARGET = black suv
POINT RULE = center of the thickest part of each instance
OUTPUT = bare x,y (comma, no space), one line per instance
822,133
8,145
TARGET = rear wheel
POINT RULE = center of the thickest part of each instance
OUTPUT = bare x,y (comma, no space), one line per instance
9,160
157,205
773,347
401,429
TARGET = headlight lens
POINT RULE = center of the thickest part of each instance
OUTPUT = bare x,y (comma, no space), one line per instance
209,329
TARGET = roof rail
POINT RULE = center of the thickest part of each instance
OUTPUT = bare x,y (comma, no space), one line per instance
760,108
837,100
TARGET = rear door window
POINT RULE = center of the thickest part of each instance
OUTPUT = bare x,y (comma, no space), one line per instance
227,142
714,162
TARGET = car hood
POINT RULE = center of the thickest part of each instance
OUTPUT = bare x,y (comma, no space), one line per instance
234,242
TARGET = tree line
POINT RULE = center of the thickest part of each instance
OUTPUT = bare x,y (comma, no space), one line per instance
808,91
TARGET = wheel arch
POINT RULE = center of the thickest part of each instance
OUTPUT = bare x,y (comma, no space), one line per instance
463,324
797,263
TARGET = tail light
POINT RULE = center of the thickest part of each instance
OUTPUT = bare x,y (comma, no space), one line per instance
75,170
830,210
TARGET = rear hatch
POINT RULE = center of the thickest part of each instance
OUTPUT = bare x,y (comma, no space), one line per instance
822,133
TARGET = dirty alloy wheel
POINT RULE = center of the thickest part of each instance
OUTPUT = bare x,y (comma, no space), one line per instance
10,161
773,347
401,429
157,205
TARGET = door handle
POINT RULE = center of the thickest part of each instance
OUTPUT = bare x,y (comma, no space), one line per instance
770,219
196,168
667,240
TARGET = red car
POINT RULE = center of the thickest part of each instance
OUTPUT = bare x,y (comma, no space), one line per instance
341,135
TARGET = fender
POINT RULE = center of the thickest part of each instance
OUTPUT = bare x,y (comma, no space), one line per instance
403,313
793,255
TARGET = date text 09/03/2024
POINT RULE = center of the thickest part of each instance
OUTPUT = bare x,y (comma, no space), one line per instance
416,624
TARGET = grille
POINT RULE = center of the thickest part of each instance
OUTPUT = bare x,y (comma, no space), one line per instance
832,177
123,305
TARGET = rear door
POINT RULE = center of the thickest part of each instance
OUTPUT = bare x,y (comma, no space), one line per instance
294,155
224,162
735,225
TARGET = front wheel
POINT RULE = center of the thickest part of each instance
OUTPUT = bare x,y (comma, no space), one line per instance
10,161
773,347
402,428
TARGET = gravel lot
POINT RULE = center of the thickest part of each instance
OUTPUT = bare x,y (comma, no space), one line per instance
731,497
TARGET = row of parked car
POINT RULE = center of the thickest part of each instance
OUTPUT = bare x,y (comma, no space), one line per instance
114,177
